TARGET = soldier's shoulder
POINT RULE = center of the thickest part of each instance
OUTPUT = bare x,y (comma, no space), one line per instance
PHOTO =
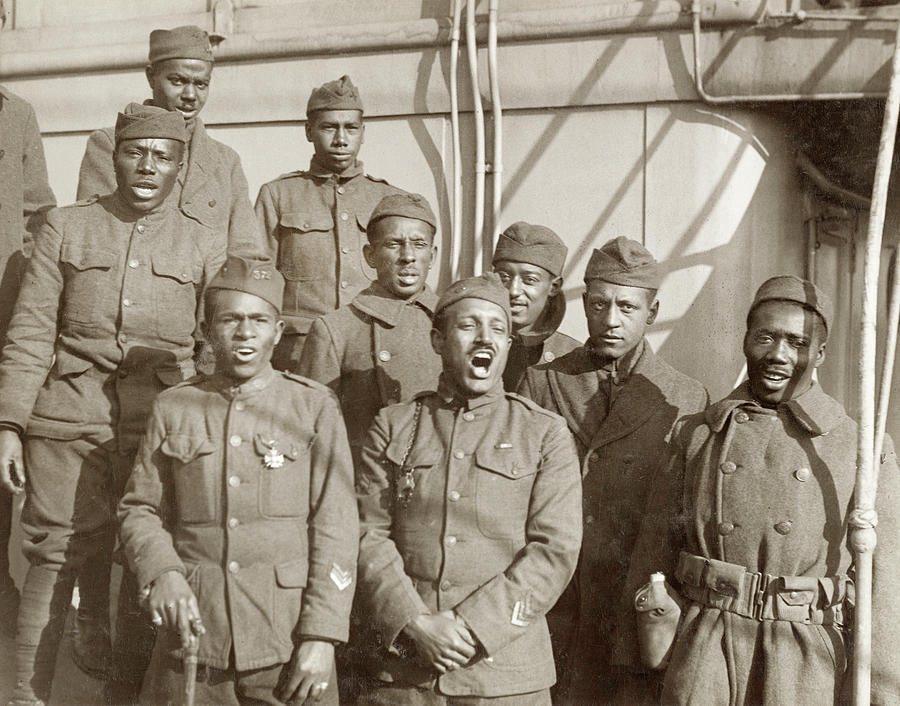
306,385
533,407
72,212
557,345
174,395
680,383
296,174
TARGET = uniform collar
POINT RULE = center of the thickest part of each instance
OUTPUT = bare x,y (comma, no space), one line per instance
619,369
380,304
550,320
249,387
814,411
318,170
130,215
446,393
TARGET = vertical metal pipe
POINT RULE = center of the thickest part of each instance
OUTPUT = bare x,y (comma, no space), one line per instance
457,215
497,114
890,354
863,518
478,218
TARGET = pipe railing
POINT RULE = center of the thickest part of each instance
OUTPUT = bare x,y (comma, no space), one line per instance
478,113
457,210
863,519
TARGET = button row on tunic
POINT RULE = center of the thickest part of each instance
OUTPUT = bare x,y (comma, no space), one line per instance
726,528
728,467
235,440
233,567
741,417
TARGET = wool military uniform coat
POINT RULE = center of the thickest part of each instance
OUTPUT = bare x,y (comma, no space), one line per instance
542,345
105,319
619,449
248,491
373,353
491,532
211,187
24,194
769,490
315,223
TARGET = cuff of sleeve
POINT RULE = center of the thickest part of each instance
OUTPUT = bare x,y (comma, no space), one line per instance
12,426
325,630
147,574
492,629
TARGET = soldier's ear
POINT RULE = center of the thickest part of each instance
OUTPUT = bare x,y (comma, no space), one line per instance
654,310
148,72
437,340
279,330
555,285
368,255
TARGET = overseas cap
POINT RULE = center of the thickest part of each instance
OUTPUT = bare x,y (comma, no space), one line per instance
257,277
793,289
138,121
536,245
334,95
625,262
487,286
405,205
187,42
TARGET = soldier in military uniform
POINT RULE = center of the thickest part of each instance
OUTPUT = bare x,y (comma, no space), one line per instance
620,401
373,352
316,220
239,519
211,188
749,522
530,260
470,522
25,196
104,321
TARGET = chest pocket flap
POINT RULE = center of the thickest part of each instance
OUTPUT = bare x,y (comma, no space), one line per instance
290,448
165,265
306,222
292,574
186,447
423,453
507,461
84,258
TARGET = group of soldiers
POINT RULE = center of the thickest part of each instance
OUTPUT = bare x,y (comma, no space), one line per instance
374,494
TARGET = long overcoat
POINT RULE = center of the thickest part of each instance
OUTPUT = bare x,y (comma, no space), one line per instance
769,490
25,194
619,450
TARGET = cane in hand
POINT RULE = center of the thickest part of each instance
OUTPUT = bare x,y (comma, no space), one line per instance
189,663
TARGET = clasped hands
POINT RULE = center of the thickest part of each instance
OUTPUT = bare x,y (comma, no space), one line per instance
443,640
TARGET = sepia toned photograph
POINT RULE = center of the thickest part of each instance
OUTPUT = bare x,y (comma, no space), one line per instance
449,352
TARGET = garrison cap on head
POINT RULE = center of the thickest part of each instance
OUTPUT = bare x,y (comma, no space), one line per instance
334,95
487,286
257,277
187,42
625,262
138,121
536,245
793,289
404,205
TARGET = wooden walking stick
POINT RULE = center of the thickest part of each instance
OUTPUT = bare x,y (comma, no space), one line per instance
863,519
189,664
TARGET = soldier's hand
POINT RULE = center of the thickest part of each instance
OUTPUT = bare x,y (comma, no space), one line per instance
443,639
172,603
12,468
308,672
